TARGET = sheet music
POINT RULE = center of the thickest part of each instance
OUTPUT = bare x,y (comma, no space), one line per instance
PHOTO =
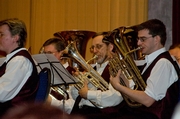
59,74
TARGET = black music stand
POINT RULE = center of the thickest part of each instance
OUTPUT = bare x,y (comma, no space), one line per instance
59,74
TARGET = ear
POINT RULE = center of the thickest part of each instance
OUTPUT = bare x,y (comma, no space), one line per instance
157,39
110,46
15,38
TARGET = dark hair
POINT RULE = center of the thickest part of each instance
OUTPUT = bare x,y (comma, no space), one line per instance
101,33
105,33
174,46
59,43
16,27
155,27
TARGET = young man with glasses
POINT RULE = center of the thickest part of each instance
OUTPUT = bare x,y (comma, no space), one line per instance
160,75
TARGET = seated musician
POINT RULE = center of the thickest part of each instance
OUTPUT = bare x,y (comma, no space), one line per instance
56,46
18,75
160,75
108,99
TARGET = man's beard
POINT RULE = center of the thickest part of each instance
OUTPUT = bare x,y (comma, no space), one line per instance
101,61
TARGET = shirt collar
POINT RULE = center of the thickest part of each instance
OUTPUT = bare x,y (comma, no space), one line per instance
102,65
66,65
13,53
149,58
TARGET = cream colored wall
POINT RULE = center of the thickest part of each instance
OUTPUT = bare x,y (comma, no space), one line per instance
45,17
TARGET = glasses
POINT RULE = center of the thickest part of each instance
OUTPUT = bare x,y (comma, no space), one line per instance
98,47
49,52
142,39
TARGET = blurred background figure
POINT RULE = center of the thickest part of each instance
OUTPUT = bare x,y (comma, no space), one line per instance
38,111
174,50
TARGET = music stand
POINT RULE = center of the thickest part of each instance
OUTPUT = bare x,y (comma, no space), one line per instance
59,74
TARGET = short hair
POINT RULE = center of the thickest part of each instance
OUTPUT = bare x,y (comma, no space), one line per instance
58,42
16,27
104,34
174,46
155,27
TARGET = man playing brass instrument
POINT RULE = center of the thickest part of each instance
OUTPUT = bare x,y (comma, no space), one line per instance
160,75
108,99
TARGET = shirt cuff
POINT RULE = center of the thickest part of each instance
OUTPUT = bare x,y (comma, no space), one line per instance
55,102
131,84
91,95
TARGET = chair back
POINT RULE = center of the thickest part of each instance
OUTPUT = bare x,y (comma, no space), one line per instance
44,85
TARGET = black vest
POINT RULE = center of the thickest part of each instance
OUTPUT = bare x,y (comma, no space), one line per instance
164,108
28,91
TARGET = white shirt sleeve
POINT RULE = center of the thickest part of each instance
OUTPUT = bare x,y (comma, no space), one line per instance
65,105
107,98
162,76
16,74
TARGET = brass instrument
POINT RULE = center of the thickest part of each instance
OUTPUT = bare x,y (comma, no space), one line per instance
58,93
81,42
124,39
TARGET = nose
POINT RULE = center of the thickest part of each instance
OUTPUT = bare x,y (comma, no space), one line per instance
95,50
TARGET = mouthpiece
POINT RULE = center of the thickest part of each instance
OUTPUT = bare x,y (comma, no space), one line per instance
139,48
93,58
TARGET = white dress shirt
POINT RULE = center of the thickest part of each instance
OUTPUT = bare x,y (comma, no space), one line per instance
162,76
18,70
